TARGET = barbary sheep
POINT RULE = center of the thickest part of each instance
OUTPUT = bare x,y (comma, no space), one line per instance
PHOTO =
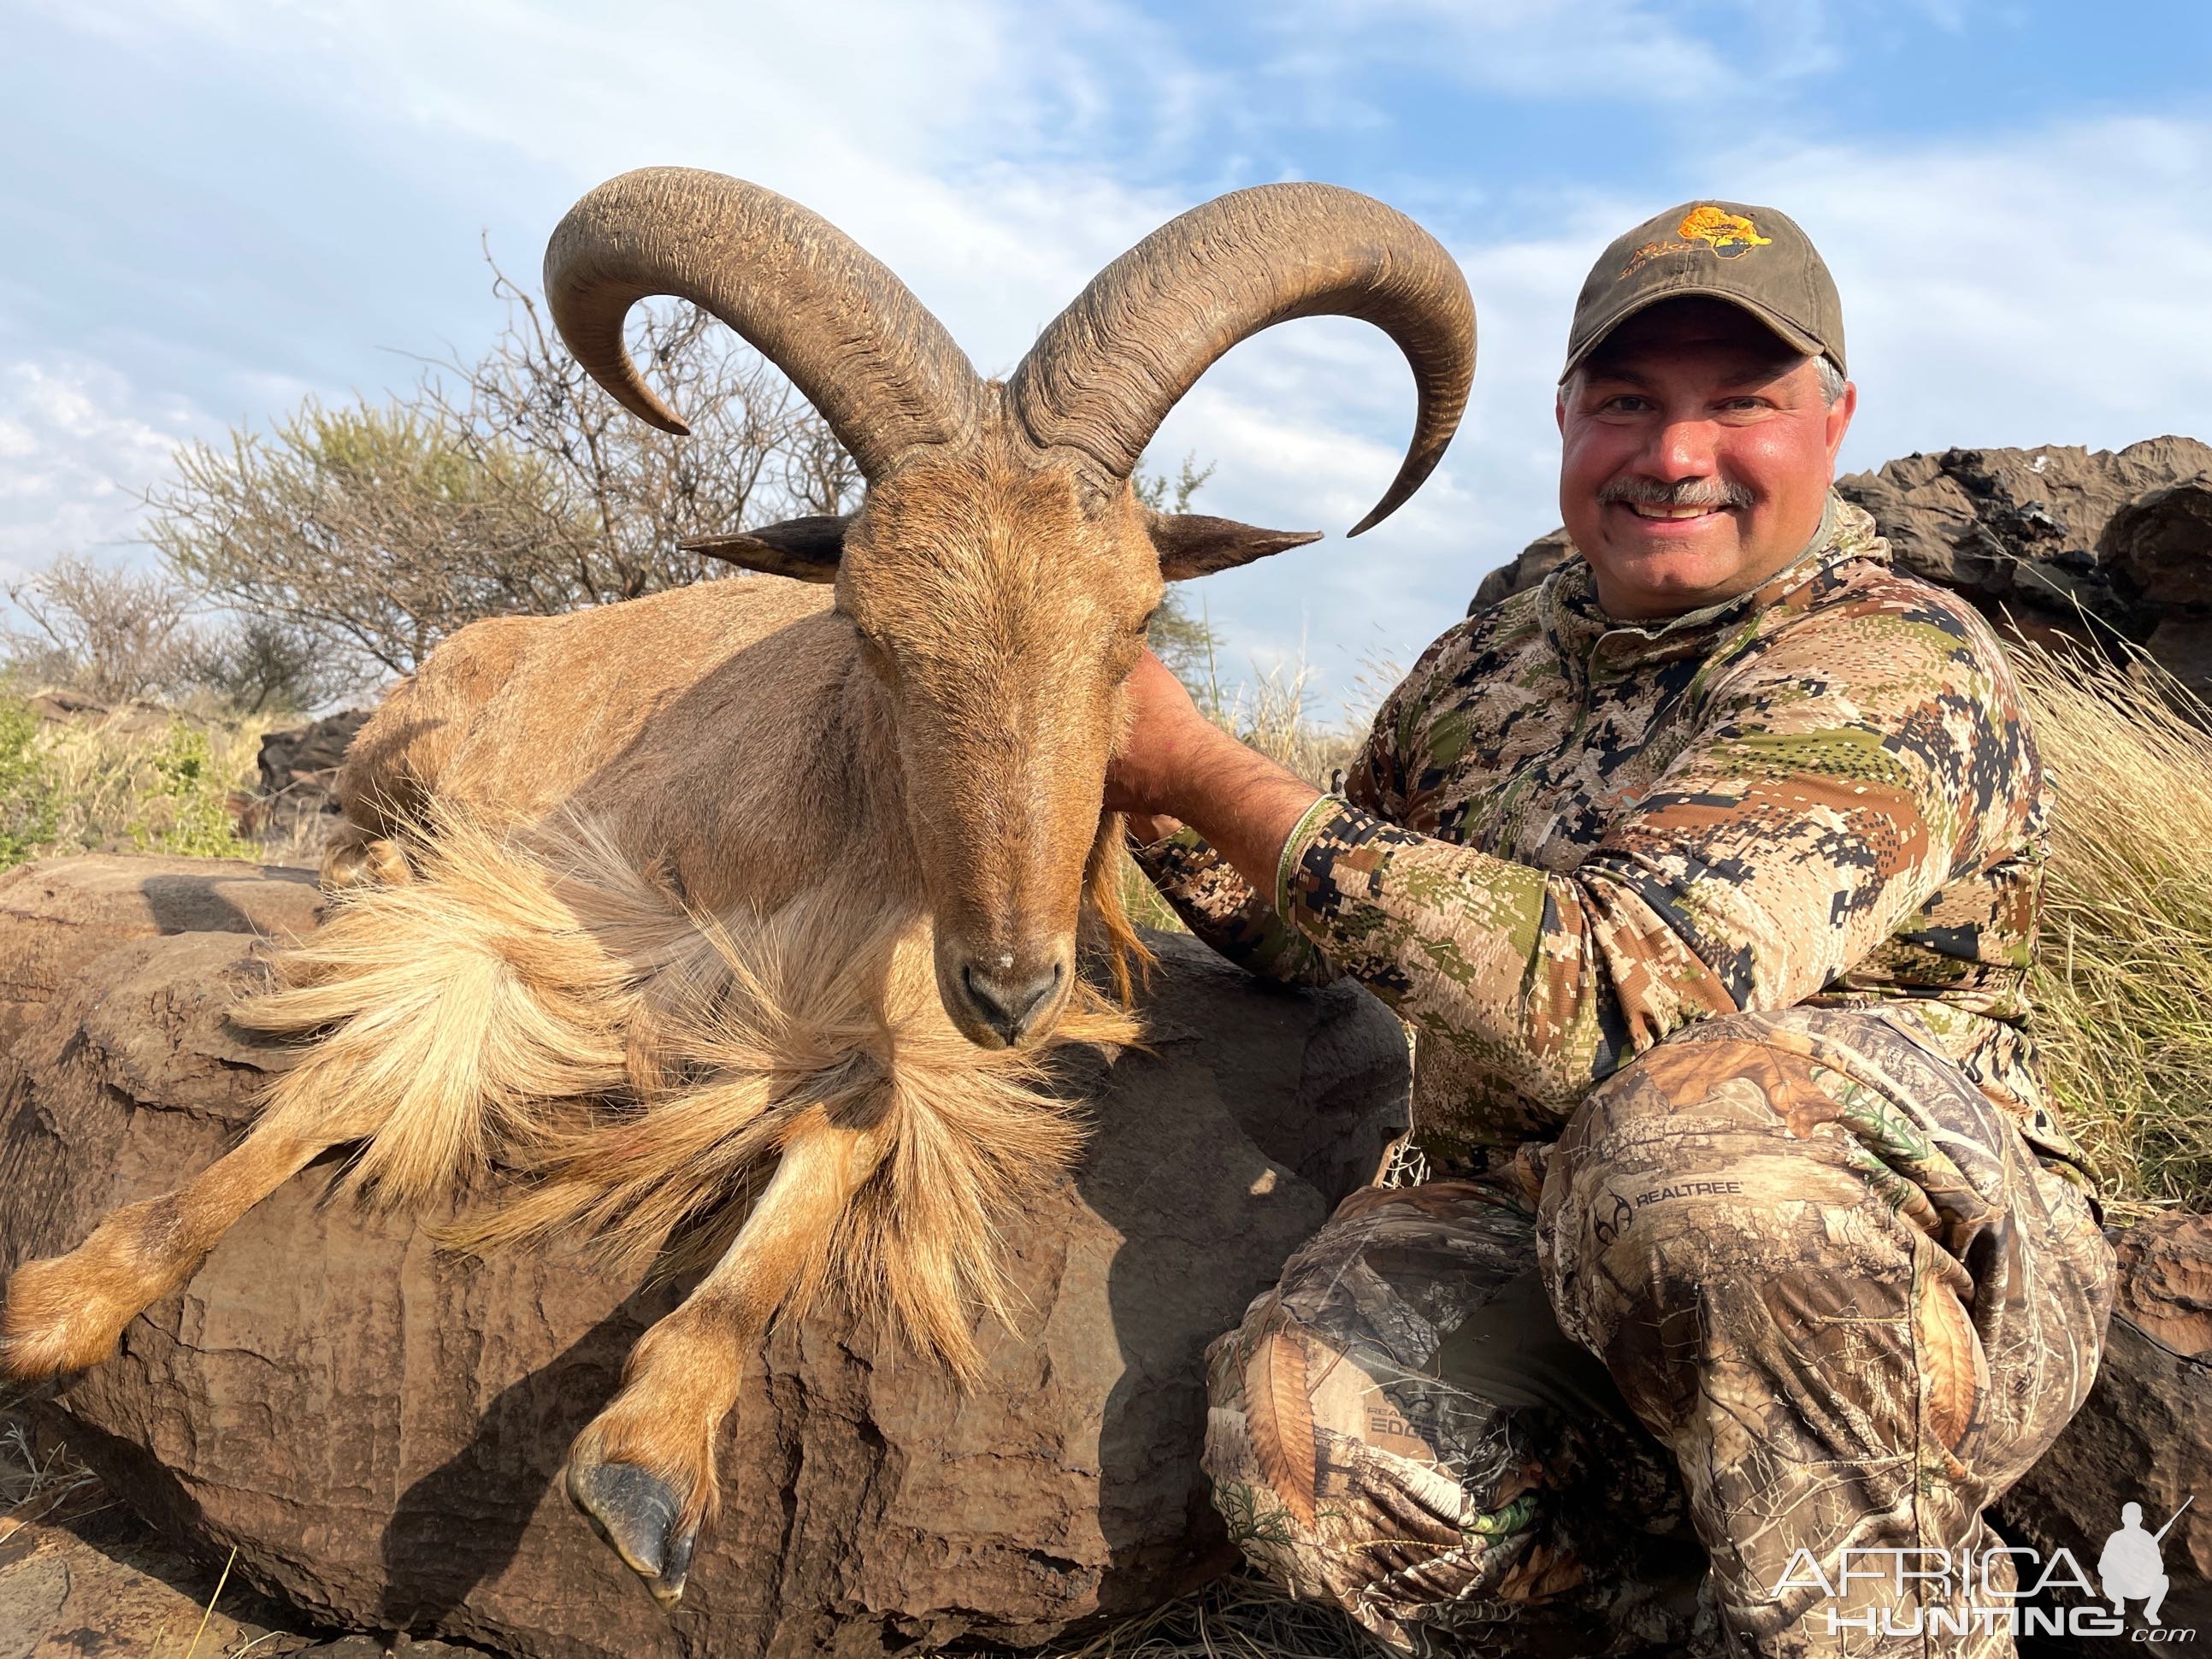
770,889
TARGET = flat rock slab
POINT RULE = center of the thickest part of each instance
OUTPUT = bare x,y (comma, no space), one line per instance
81,1578
376,1425
55,917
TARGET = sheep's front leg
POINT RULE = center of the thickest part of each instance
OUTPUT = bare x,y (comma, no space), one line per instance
64,1314
642,1472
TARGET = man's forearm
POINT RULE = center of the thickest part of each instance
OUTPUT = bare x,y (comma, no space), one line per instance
1244,804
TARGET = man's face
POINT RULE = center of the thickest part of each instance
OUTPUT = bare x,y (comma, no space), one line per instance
1697,456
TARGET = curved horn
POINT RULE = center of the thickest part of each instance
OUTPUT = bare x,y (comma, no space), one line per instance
1103,376
854,340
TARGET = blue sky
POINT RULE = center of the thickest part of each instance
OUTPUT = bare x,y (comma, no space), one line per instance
218,208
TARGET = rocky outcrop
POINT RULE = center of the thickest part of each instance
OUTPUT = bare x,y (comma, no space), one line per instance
307,755
65,705
2087,544
292,803
376,1426
1531,566
2030,535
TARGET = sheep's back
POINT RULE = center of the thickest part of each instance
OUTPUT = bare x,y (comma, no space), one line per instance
727,726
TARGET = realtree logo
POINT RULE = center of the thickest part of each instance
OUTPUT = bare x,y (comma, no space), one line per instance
1960,1583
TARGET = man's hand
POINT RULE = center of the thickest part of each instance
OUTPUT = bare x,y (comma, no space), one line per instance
1153,757
1173,762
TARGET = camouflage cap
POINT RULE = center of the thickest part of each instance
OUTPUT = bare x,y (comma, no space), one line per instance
1752,257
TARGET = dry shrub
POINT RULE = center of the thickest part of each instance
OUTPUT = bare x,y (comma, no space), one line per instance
121,635
2124,985
36,1478
116,633
507,485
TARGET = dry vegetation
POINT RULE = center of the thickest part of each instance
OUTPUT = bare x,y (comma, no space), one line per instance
506,486
1239,1617
2124,981
34,1478
132,780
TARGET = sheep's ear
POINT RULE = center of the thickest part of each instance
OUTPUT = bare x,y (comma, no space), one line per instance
806,549
1192,545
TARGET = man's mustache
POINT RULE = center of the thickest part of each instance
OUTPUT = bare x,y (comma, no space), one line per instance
1690,492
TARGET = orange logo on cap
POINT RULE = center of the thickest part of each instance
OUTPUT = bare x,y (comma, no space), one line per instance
1730,233
1727,234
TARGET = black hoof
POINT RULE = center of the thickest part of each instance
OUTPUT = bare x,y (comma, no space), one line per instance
640,1515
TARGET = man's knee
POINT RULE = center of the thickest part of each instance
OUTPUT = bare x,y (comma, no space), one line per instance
1329,1396
1719,1156
1710,1196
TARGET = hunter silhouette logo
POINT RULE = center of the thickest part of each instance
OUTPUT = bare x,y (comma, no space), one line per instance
1727,234
2131,1568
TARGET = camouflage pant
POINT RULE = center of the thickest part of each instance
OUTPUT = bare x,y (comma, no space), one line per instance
1787,1283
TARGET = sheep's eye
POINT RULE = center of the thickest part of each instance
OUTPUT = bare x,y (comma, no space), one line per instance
873,654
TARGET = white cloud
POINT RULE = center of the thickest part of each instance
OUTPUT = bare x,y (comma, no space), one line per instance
959,142
75,442
2042,288
1608,51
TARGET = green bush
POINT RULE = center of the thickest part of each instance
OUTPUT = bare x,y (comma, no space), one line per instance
113,785
184,808
27,813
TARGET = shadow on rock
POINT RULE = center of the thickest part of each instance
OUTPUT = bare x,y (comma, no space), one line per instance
459,1526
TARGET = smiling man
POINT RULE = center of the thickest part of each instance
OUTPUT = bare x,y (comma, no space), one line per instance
1707,874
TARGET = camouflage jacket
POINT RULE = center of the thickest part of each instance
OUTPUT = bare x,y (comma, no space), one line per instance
1565,838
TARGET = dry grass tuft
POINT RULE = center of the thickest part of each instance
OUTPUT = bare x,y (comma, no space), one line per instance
33,1483
2123,985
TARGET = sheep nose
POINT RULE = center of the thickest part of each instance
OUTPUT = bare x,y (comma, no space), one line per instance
1010,1002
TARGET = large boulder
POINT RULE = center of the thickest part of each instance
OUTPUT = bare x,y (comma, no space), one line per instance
296,757
2158,548
292,803
376,1426
2033,534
